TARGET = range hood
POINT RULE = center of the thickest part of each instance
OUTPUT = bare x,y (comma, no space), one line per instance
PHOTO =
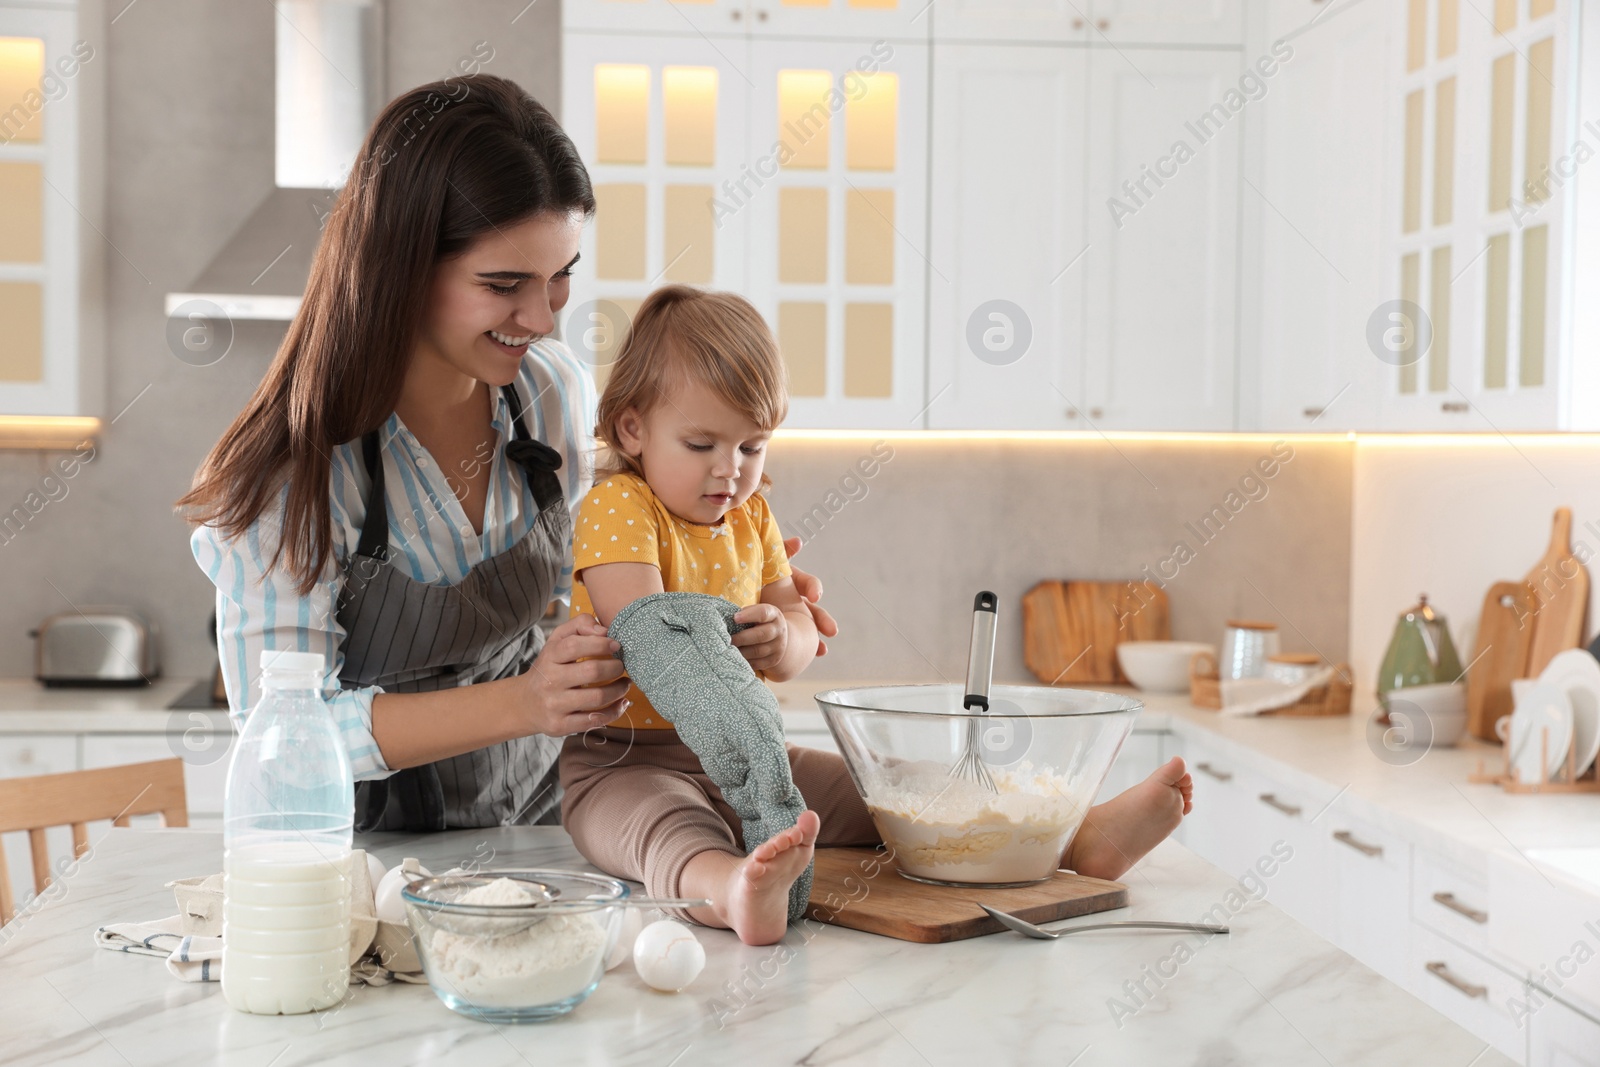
329,87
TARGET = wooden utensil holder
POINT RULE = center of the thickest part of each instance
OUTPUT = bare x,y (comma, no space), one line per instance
1205,691
1566,782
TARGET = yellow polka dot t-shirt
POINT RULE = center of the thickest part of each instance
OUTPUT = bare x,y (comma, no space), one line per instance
621,521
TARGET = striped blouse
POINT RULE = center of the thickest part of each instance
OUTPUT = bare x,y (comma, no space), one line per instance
430,540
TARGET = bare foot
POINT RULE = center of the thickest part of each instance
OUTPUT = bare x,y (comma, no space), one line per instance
756,902
1117,834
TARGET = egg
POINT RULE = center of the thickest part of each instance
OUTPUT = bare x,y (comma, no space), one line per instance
375,870
627,933
668,956
386,897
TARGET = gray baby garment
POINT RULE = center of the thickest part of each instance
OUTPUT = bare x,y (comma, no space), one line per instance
676,648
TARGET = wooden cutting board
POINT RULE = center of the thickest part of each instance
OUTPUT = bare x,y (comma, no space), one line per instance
861,889
1070,630
1505,630
1561,587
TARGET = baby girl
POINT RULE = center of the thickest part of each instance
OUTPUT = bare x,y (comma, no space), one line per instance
694,395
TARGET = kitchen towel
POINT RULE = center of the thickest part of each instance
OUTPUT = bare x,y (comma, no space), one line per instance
677,648
1254,696
194,958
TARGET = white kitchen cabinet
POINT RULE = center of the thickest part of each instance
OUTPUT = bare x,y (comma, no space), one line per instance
712,17
1224,827
1007,248
1117,311
793,171
1371,877
1140,755
838,233
1304,884
1467,989
1171,22
1102,22
660,124
1561,1036
1478,235
1163,212
52,217
204,753
1317,201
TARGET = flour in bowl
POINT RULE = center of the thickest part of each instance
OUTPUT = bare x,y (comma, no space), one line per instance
951,830
555,958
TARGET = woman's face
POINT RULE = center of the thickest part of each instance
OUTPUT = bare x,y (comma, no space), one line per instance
500,295
701,457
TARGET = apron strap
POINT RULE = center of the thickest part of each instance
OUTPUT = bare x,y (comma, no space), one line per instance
374,542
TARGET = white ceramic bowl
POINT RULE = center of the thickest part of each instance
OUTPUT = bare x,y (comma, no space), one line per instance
1160,666
1444,704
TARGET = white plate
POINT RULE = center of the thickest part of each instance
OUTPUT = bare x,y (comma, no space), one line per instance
1578,672
1546,708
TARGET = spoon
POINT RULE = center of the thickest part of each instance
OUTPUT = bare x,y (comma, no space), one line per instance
1027,929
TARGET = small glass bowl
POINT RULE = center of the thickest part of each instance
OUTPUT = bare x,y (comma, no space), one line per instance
515,963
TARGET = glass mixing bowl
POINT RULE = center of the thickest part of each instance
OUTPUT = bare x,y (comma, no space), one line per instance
535,956
1047,749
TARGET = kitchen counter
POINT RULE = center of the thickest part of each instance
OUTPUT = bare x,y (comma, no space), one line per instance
1270,993
1429,799
26,707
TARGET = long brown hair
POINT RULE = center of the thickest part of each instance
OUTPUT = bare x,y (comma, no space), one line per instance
443,164
681,334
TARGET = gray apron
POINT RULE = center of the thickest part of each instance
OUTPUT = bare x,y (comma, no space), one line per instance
412,637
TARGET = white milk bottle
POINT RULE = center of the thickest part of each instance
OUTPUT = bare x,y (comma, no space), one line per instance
287,818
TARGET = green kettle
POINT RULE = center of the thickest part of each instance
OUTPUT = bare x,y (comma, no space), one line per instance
1420,652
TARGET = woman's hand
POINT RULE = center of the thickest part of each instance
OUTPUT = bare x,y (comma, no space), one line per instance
810,587
556,698
765,642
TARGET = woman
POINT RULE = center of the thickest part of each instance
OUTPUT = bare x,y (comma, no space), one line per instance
398,492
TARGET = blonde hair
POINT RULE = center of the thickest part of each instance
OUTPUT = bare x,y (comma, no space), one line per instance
682,334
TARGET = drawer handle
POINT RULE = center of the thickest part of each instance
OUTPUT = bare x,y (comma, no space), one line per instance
1345,837
1441,970
1271,800
1449,900
1219,775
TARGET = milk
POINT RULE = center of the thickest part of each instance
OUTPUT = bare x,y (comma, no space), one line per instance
285,927
287,817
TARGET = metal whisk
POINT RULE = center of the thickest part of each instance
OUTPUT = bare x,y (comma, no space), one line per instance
980,672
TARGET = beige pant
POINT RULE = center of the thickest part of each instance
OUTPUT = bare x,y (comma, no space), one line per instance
638,804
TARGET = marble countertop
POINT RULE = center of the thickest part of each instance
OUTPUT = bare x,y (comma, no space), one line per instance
1270,993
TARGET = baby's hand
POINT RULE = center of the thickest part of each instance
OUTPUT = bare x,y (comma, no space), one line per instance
765,642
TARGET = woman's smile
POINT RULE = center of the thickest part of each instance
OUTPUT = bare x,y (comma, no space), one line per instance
509,344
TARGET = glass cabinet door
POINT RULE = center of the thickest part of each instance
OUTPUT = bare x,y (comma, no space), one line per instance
835,194
37,298
663,140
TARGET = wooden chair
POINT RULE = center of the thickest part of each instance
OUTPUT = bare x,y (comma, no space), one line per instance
81,797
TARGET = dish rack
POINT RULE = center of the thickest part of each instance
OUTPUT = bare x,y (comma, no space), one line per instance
1205,690
1565,782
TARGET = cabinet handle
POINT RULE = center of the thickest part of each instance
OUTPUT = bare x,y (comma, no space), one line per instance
1312,413
1441,970
1103,24
761,15
1449,900
1271,800
1072,413
1345,837
737,14
1095,413
1219,775
1077,24
1455,407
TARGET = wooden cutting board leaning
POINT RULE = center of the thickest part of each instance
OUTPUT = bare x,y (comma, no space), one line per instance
1071,629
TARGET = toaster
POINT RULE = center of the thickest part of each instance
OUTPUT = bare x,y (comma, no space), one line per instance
95,646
